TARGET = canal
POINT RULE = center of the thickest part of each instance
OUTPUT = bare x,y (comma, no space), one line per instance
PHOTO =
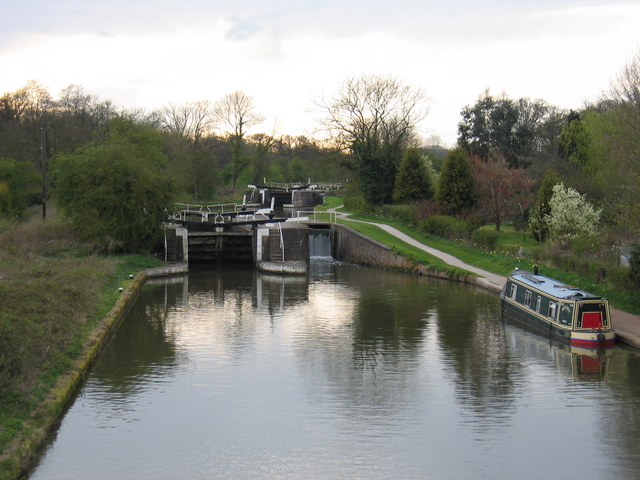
347,373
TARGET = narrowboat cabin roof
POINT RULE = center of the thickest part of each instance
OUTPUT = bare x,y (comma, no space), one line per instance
550,286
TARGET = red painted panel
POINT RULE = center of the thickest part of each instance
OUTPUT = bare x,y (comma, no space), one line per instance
590,364
592,320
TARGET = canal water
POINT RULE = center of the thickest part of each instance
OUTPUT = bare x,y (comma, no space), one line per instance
348,373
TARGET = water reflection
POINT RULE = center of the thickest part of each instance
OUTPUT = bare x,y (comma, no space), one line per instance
350,373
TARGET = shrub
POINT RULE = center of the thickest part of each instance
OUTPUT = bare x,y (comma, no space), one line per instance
425,209
487,239
634,265
356,202
402,213
619,278
446,227
474,222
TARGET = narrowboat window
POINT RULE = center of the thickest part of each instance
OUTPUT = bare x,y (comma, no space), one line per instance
514,290
538,302
527,298
551,313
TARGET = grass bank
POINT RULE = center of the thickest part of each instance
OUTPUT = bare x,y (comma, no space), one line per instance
53,292
513,250
411,253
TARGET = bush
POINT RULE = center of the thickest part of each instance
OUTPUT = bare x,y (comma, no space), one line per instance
402,213
619,278
355,202
446,227
425,209
634,265
487,239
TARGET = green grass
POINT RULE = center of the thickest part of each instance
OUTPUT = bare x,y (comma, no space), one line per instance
492,262
52,293
411,253
330,202
503,260
510,241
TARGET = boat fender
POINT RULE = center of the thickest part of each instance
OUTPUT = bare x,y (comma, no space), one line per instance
601,338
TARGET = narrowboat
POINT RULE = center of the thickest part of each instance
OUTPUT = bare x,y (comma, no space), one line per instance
557,310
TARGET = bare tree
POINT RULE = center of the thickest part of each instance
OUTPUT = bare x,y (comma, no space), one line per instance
236,114
74,117
25,114
625,93
191,163
374,118
623,102
191,120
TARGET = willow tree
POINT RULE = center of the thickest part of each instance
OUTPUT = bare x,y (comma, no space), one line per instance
374,118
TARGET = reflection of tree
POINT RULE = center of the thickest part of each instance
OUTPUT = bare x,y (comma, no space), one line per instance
388,321
619,415
144,343
367,350
473,338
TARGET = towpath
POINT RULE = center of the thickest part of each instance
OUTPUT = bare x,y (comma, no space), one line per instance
626,324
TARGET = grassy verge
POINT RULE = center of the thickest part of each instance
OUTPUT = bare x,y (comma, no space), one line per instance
411,253
492,262
330,202
53,293
504,259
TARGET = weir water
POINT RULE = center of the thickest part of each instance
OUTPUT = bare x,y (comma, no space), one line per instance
320,243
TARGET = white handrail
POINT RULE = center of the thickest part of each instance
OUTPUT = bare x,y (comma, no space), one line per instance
281,240
332,215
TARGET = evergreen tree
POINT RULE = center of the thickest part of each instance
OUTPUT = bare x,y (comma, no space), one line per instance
413,181
374,118
538,222
575,141
456,187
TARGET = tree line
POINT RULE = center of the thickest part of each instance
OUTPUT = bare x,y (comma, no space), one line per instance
519,161
568,175
106,165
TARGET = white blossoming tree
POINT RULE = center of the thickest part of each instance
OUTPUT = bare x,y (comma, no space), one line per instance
571,216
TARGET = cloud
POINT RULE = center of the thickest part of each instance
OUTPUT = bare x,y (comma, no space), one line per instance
284,52
242,29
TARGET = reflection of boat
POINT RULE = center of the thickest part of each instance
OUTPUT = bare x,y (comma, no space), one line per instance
560,311
588,364
581,363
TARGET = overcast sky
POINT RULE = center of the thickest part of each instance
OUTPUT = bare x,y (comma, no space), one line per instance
285,53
